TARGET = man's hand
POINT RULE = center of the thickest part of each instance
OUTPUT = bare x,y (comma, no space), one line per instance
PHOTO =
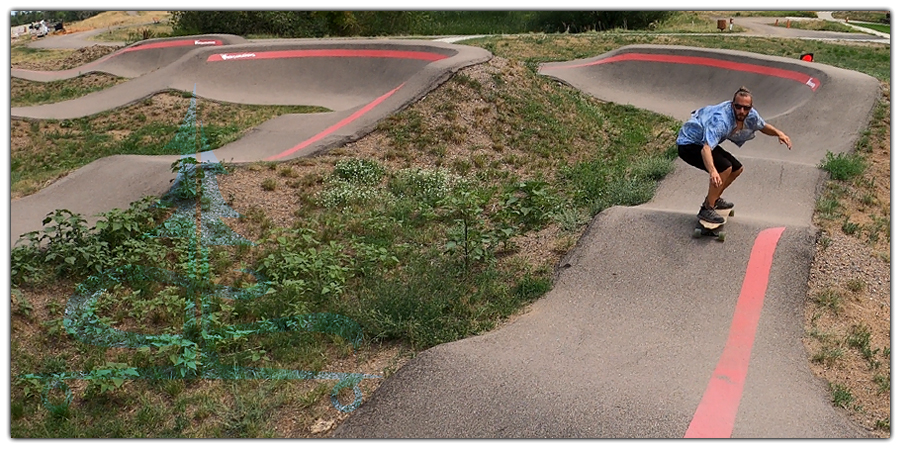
784,139
715,179
772,131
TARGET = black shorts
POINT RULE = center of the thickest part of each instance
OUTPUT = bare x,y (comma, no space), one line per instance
722,159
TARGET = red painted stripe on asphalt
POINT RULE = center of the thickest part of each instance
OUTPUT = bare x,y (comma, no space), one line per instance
714,417
325,53
337,126
811,82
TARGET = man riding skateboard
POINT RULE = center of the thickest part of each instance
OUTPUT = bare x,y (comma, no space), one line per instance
699,145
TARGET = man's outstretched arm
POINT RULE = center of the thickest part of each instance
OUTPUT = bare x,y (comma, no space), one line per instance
772,131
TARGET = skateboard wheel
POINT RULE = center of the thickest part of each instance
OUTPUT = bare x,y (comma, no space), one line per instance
731,213
697,233
721,237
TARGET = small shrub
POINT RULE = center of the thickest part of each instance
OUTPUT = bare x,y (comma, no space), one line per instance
850,228
428,186
840,395
859,337
856,285
828,355
359,171
828,207
843,166
288,172
829,299
529,204
341,194
883,382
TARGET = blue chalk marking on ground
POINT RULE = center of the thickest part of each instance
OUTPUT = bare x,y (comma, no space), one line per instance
197,360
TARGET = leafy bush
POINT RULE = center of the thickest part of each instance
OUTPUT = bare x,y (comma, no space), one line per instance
303,264
359,171
66,247
353,181
529,204
843,166
426,186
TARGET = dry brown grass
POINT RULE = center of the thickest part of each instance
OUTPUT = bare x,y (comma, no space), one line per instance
116,18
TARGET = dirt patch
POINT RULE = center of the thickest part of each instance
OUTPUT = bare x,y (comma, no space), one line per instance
70,59
848,309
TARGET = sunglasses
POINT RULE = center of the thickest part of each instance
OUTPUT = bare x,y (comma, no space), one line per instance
741,106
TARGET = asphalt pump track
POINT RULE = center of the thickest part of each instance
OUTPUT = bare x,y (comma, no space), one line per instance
360,81
647,333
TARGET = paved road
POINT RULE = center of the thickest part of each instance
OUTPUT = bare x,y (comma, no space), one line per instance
647,332
77,39
764,26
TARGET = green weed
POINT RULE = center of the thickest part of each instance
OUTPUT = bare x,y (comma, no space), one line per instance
427,186
883,382
828,355
856,285
860,338
843,166
840,395
828,208
829,299
849,228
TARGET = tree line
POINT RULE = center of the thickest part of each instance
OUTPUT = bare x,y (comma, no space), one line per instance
375,23
27,17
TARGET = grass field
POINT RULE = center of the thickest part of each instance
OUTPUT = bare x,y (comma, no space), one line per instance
886,28
822,25
867,16
131,34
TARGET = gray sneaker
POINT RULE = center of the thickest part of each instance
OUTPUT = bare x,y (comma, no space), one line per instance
709,215
722,204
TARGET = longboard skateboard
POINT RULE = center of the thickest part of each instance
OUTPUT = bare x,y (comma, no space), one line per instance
706,228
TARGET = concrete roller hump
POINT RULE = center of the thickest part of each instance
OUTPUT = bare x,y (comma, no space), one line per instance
135,60
339,75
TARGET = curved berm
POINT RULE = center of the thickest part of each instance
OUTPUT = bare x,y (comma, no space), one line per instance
802,98
134,60
361,81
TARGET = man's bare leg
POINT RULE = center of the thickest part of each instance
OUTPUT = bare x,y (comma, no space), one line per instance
727,182
715,192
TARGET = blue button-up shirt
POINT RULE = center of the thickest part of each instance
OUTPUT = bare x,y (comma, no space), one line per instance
712,125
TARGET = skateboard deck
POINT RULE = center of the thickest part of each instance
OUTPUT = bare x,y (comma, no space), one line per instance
707,228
